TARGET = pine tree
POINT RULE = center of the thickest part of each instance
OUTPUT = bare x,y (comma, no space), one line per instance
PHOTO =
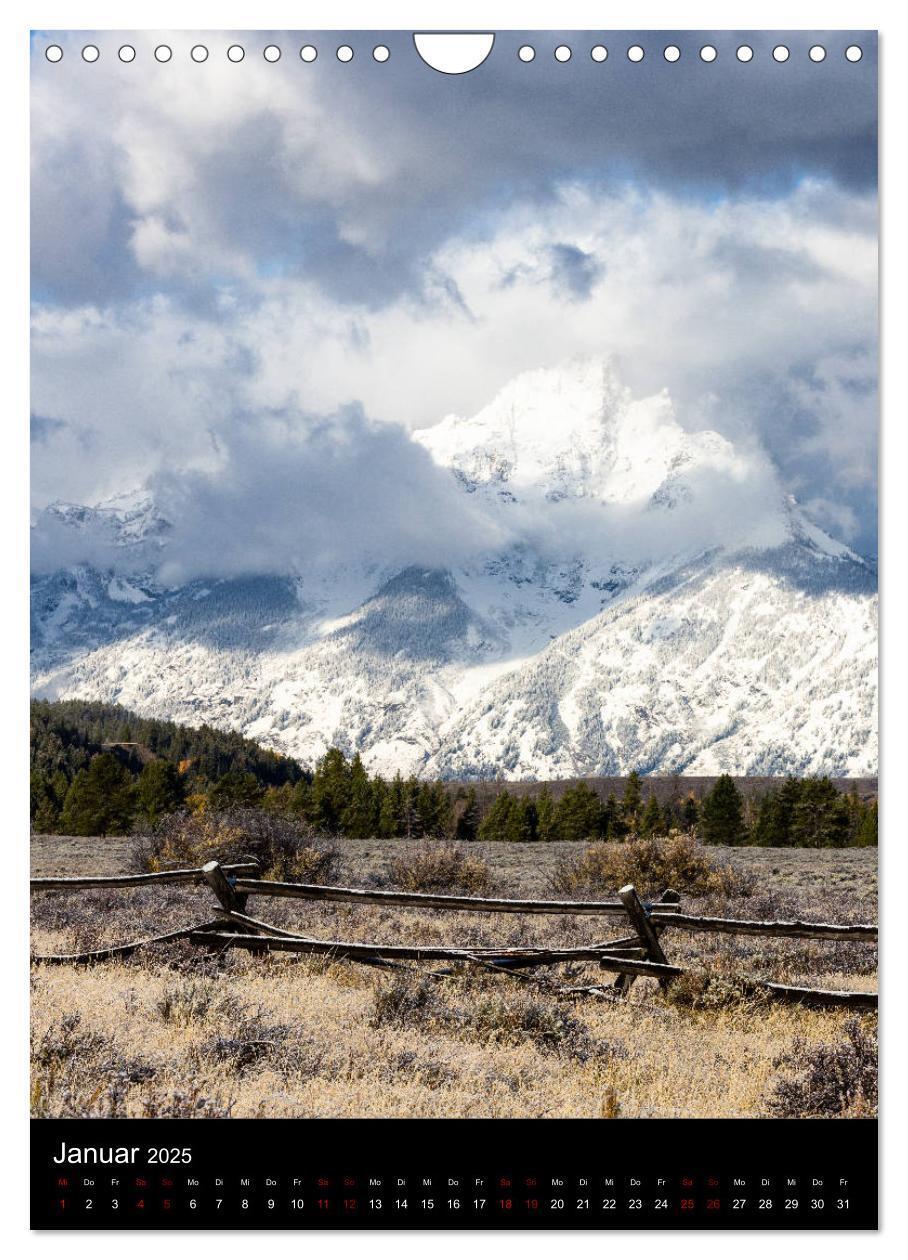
775,815
300,799
722,814
379,794
632,802
433,809
359,819
669,818
651,818
466,826
820,816
391,810
857,817
580,814
237,788
690,812
45,805
867,832
100,800
495,824
612,824
546,816
521,821
277,800
330,791
764,825
410,815
159,790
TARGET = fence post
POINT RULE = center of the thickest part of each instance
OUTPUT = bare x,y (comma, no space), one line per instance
222,887
645,930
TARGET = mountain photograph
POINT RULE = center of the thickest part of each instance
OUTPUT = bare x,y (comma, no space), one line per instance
454,533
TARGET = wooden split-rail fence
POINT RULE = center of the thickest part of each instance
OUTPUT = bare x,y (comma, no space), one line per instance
639,952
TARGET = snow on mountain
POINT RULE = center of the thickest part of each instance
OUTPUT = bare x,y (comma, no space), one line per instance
668,608
572,432
728,664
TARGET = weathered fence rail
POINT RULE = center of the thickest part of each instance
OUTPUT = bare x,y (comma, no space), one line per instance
195,875
428,901
639,954
415,953
756,927
129,947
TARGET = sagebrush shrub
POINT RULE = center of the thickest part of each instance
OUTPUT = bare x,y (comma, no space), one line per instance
186,1103
515,1017
440,868
187,1002
696,991
829,1080
651,864
285,848
405,1001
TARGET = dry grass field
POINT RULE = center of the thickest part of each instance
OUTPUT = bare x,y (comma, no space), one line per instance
175,1031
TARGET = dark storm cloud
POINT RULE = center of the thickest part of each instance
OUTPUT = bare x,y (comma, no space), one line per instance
445,149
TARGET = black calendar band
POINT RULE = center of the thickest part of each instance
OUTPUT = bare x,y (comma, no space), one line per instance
453,1174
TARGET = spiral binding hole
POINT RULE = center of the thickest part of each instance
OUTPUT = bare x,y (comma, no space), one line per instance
671,53
745,53
308,53
236,53
635,53
854,52
380,53
163,53
526,52
599,52
53,53
708,53
90,53
562,53
126,53
272,53
199,53
780,53
345,53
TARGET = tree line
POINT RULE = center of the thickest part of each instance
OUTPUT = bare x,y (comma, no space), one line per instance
804,813
98,770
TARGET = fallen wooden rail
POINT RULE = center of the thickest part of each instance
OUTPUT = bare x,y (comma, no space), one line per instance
119,951
616,962
529,956
193,876
431,901
756,927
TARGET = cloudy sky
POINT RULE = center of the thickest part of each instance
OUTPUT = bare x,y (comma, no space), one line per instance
250,281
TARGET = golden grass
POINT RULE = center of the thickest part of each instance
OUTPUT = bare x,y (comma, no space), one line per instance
175,1031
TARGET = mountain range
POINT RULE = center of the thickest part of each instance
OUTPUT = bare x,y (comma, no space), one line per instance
658,603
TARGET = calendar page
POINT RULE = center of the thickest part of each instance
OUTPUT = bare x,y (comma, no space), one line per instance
454,649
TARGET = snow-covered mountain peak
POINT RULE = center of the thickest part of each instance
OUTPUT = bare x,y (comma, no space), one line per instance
575,431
